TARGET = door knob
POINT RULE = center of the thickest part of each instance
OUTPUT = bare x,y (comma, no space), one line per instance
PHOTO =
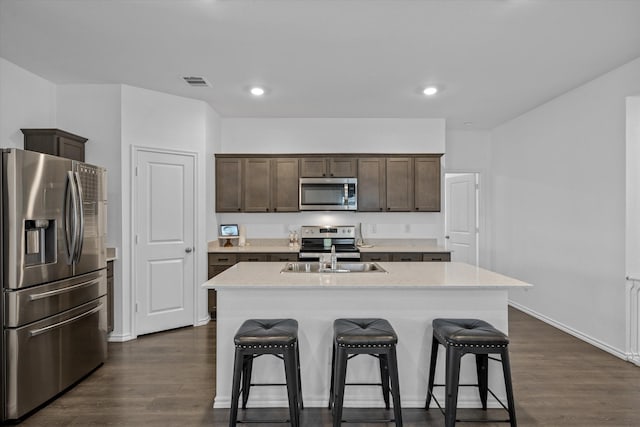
446,237
188,250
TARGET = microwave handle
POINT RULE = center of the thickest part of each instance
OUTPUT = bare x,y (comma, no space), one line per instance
345,199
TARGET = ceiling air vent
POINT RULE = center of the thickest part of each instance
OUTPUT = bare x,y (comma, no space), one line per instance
196,81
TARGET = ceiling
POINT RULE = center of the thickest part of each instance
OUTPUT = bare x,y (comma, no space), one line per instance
492,59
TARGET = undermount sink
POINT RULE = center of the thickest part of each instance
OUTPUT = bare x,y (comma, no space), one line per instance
341,267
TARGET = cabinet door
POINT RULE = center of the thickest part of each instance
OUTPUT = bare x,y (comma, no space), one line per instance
371,184
257,185
283,257
252,257
284,197
400,184
313,167
110,298
427,184
70,149
222,259
406,256
436,256
342,167
375,257
228,185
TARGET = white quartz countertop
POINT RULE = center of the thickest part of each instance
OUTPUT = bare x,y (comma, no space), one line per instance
284,248
413,275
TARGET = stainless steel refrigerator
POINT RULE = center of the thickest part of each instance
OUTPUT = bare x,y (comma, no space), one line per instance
53,271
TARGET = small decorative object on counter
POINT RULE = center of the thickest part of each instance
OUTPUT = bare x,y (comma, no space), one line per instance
296,240
242,239
290,239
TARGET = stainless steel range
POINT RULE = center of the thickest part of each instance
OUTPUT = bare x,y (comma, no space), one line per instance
316,240
53,271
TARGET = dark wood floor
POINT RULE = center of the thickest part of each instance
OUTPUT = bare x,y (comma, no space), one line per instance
167,379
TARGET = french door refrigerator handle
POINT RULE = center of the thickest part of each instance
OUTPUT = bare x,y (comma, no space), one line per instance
62,291
46,329
70,216
80,230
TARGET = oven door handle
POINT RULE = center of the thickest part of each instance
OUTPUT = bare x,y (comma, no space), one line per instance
46,329
62,291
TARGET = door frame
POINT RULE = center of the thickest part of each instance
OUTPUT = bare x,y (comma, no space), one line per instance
481,234
135,149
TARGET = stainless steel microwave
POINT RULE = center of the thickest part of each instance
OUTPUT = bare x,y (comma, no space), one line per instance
328,194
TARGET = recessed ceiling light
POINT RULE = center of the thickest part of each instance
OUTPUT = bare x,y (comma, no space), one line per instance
430,90
256,91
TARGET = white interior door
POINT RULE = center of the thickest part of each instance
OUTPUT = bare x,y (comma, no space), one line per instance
164,240
461,217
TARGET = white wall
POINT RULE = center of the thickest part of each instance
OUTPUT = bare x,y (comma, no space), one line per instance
633,188
157,120
26,101
332,135
93,111
213,143
335,135
559,207
470,151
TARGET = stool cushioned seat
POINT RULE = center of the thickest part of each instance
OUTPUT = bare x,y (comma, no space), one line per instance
259,337
468,332
479,338
373,337
369,332
266,332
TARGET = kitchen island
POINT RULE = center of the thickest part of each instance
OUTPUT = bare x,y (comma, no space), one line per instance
409,295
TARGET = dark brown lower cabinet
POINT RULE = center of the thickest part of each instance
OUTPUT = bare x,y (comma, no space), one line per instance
405,256
109,296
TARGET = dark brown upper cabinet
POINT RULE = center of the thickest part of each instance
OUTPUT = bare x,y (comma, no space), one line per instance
328,167
229,184
427,184
285,194
56,142
386,182
372,190
257,185
400,179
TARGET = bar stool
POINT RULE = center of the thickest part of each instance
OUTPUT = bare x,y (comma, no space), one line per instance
469,336
255,338
376,338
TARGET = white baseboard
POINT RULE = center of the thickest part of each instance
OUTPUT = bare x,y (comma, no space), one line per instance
571,331
203,321
120,337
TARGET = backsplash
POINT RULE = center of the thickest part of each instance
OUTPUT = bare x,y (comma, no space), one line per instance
394,225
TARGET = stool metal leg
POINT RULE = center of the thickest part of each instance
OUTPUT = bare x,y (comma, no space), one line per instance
247,368
333,368
301,403
432,370
451,385
235,389
395,386
482,368
339,383
506,369
384,378
290,371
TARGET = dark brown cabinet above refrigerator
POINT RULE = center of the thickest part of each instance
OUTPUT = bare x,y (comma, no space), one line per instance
56,142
